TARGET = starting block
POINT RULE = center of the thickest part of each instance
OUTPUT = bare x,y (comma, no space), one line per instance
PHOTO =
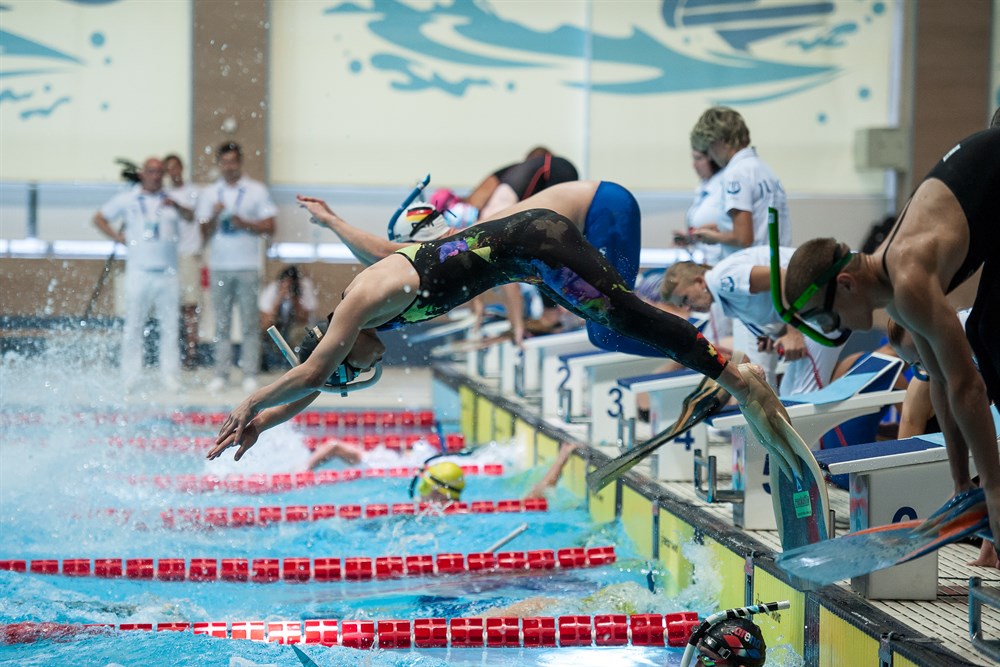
585,382
894,481
675,461
863,390
528,367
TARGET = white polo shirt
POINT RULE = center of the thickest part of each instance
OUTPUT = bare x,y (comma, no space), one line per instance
729,283
151,228
235,249
707,209
189,240
750,185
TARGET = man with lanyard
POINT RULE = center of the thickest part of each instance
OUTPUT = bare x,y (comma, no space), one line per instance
234,213
149,231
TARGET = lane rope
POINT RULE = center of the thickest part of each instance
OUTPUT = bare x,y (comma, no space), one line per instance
659,630
332,569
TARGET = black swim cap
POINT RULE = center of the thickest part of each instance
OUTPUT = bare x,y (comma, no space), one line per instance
313,335
738,641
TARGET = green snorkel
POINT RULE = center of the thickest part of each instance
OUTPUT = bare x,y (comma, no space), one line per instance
789,314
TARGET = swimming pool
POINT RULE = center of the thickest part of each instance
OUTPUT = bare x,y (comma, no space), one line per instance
77,482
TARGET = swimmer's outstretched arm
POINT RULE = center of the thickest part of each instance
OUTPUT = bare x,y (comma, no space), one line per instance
367,247
296,389
267,419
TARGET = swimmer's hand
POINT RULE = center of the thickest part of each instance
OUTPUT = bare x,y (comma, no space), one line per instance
321,213
247,440
239,429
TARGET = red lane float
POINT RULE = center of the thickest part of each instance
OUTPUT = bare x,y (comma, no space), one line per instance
288,481
399,442
237,517
499,632
297,569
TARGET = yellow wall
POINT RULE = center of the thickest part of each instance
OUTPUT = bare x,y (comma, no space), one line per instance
730,570
467,420
673,534
781,627
637,519
840,643
484,420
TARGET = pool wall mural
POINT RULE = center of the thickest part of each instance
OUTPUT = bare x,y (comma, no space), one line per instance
82,83
377,92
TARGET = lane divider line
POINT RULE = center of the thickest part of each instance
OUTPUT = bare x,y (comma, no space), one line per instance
236,517
298,569
673,629
280,482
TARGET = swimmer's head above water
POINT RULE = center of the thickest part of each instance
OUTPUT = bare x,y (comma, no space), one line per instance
441,482
365,355
732,642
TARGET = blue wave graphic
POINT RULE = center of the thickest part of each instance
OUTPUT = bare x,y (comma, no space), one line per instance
44,111
30,60
404,66
15,45
480,34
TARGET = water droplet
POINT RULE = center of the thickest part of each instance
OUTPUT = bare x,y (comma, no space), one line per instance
407,289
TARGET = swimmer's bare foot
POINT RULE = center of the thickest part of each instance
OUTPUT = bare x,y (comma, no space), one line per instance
987,556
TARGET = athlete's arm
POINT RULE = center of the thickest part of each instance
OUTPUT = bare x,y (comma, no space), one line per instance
916,409
947,357
367,247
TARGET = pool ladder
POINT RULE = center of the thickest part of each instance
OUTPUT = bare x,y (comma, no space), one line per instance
978,596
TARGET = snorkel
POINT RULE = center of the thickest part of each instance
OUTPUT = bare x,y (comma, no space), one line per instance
745,612
343,381
789,314
420,471
410,198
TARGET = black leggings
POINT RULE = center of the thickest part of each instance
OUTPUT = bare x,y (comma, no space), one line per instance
542,248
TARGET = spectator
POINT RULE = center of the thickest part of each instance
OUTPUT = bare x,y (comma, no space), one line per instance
289,304
706,209
189,262
235,213
750,187
149,231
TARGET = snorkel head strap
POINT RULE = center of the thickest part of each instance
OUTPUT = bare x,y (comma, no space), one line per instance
789,315
410,198
422,472
345,379
739,612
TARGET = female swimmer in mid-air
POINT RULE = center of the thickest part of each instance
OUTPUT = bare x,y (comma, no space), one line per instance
546,240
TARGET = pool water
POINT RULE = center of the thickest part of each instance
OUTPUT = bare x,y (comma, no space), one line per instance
66,459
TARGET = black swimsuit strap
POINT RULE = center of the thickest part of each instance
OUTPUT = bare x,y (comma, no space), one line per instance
892,237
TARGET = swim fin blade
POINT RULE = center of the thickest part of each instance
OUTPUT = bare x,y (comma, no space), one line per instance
880,547
705,400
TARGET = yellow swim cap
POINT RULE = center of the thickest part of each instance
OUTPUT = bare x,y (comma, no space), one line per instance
445,477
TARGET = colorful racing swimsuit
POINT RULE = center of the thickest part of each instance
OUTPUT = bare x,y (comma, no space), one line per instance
545,249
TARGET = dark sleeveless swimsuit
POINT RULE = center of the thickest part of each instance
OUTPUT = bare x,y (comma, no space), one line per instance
971,170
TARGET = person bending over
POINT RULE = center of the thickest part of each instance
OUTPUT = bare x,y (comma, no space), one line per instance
946,232
534,245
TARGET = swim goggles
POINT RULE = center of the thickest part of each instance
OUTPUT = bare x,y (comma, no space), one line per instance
440,483
824,317
344,379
